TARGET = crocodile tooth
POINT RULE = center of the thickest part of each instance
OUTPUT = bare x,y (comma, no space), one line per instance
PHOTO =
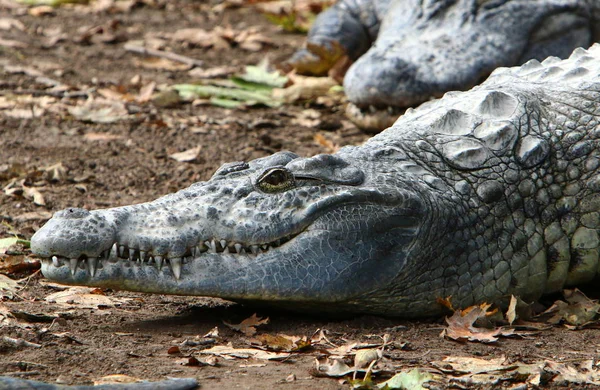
143,255
238,248
121,252
193,251
264,247
226,250
254,249
175,264
73,266
223,244
92,264
113,252
213,246
159,262
55,261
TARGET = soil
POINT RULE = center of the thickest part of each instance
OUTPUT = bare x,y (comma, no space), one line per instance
133,166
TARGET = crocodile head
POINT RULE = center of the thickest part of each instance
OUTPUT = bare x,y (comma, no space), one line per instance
317,231
424,50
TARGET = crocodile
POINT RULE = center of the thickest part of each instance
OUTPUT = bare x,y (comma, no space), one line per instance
407,51
477,196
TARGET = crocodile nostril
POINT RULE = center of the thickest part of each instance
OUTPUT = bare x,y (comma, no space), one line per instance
73,213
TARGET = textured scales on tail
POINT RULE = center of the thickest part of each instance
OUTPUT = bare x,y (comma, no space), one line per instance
479,195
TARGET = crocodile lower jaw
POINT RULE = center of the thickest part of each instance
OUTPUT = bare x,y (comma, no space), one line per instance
128,257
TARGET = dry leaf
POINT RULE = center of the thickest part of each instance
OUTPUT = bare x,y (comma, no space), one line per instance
461,326
188,155
511,312
84,297
146,92
327,144
304,88
282,342
228,352
116,379
8,24
220,71
101,137
100,111
8,287
34,194
160,63
248,326
578,311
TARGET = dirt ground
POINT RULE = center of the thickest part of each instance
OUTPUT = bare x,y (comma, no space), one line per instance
127,161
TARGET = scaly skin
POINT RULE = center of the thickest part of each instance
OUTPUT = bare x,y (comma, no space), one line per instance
478,195
408,51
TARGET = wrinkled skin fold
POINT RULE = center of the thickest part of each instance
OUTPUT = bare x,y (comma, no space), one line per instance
479,195
408,51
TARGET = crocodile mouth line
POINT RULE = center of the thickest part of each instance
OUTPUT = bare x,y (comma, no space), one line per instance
128,256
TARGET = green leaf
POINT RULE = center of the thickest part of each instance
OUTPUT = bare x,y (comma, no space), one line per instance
411,380
260,76
191,91
5,243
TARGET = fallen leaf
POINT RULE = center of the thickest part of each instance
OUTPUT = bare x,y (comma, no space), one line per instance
33,216
116,379
282,342
459,365
33,193
84,297
8,24
327,144
220,71
160,63
6,243
187,155
364,357
461,326
413,380
100,111
101,137
174,350
228,352
248,326
511,312
8,287
304,88
577,311
146,92
261,75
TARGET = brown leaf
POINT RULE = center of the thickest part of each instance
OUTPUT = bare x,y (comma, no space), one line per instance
578,311
160,63
511,313
220,71
282,342
461,326
8,24
34,194
228,352
173,350
116,379
327,144
84,298
248,326
304,88
146,92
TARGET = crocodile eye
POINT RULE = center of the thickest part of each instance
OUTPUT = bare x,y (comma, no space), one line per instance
276,180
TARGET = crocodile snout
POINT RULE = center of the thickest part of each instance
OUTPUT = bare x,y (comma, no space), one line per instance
72,233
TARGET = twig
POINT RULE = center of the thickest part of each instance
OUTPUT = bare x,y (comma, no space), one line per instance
19,342
41,92
164,54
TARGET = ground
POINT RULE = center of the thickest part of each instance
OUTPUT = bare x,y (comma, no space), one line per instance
52,159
